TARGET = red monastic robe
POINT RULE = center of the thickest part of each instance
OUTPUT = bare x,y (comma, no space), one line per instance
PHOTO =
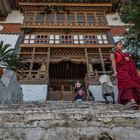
128,79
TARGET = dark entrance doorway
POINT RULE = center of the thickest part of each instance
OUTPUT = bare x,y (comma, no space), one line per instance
62,77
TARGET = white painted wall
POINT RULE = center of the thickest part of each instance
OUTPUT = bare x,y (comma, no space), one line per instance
14,17
9,39
118,38
34,92
40,92
97,93
114,20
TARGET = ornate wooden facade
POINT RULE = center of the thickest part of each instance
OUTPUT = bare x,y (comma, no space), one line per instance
65,41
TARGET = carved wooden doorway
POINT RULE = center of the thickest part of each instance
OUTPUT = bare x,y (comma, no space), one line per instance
63,76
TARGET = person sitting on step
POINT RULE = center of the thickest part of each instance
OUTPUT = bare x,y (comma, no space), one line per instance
79,95
107,88
78,86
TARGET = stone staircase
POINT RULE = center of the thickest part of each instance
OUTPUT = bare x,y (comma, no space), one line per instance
61,120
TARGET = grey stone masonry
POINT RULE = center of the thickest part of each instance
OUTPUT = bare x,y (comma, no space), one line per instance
10,90
68,121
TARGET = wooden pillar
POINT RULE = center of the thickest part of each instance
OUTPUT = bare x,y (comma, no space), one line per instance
105,19
86,56
102,61
34,19
48,62
32,60
86,21
87,76
96,19
47,72
65,20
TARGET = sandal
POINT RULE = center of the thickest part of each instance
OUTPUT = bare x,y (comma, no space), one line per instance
131,105
134,106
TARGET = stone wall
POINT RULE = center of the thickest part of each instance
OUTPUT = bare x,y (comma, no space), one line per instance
68,121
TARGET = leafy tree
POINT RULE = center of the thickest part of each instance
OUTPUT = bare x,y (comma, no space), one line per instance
10,60
130,13
5,52
15,63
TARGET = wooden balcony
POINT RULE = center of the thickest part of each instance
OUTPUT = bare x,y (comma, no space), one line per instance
62,25
67,45
68,1
102,3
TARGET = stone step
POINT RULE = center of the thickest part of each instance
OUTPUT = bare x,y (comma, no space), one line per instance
61,120
63,105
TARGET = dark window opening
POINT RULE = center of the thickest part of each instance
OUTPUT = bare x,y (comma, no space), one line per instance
42,77
108,67
97,67
40,17
27,65
36,66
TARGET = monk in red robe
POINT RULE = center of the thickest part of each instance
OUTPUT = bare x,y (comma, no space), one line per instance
128,79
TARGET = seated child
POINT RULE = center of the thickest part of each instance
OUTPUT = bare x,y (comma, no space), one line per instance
79,95
77,86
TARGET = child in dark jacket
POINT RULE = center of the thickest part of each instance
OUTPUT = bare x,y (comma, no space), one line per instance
79,95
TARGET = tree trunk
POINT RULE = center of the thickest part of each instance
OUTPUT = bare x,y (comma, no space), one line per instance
1,71
18,76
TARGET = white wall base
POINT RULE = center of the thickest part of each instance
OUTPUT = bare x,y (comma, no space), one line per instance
9,39
97,92
40,92
34,92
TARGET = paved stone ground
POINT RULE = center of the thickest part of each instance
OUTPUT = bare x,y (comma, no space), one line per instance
61,120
